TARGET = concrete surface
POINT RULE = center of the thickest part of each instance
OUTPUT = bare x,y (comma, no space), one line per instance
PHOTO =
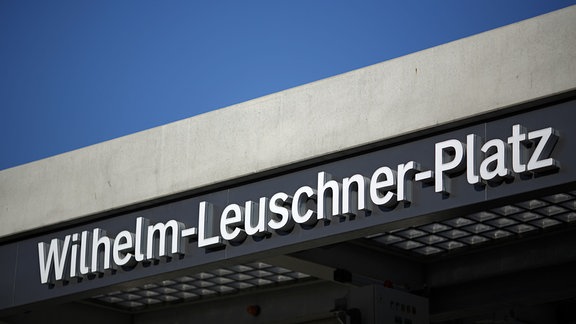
518,63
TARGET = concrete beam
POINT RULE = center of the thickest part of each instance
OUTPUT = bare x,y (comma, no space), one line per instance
508,66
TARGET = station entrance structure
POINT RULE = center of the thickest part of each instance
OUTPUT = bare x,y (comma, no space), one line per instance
438,187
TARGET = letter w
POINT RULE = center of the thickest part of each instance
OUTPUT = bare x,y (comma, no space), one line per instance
56,254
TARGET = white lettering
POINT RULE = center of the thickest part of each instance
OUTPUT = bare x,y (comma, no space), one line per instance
159,234
230,222
141,233
540,161
206,227
328,195
54,254
74,257
448,159
354,197
281,218
85,252
382,183
123,244
473,158
101,245
406,173
519,152
81,255
493,168
299,206
256,226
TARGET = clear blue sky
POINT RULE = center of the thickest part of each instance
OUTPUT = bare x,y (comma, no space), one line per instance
76,72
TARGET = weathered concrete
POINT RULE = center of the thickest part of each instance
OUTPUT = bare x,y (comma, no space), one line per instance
518,63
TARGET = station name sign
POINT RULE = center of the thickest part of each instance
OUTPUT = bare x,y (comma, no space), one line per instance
93,252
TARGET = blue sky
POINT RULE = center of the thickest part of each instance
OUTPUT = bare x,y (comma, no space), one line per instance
75,72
